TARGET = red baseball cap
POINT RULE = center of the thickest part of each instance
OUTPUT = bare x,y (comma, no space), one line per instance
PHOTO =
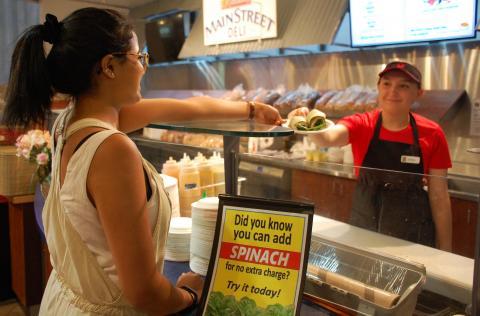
410,70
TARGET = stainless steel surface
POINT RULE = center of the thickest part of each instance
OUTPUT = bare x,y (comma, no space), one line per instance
474,150
453,66
300,22
464,184
459,138
464,169
444,66
476,270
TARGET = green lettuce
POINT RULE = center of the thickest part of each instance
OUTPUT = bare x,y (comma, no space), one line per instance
221,305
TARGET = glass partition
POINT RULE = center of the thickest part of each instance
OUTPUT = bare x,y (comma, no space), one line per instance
409,216
378,200
374,199
396,218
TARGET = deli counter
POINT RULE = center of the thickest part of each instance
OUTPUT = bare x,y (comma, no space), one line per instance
330,186
270,167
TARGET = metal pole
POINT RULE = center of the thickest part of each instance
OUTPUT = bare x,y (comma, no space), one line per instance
231,146
476,263
476,267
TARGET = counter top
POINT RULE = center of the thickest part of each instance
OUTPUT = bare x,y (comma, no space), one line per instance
21,199
460,187
447,274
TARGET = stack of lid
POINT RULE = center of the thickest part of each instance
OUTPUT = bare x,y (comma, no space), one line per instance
178,242
204,217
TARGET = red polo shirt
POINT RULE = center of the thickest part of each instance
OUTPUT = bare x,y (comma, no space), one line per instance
432,140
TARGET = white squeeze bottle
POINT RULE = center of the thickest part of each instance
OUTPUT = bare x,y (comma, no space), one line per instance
206,175
217,165
189,186
171,168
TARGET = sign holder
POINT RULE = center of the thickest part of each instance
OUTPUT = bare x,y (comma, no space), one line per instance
259,256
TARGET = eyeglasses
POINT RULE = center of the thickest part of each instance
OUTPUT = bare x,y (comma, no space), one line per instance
142,57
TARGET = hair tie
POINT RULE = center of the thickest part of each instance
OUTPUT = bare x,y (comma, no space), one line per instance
51,29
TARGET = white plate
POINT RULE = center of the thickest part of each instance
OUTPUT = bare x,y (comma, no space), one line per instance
330,124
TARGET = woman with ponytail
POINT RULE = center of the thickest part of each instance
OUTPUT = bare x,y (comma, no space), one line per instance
107,215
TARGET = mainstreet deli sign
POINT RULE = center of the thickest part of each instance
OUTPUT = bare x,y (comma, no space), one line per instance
230,21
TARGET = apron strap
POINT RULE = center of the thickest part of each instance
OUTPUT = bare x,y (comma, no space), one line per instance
376,132
412,122
416,141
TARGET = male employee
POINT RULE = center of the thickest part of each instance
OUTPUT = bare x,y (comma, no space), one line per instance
395,149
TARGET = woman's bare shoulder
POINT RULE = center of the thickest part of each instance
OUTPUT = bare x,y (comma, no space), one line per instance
117,151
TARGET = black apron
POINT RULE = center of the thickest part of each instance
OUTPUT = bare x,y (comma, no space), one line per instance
393,203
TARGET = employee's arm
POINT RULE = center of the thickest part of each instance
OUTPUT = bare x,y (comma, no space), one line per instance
335,136
145,111
441,210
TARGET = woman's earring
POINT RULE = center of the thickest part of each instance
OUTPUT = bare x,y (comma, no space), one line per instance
109,73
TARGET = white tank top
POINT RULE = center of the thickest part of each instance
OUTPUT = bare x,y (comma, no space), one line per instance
81,212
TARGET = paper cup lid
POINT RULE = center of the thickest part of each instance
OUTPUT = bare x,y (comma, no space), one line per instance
181,224
208,203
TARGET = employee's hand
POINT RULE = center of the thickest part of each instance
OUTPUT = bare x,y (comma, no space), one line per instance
266,114
303,111
192,280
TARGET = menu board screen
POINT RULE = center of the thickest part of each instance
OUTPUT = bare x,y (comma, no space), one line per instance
380,22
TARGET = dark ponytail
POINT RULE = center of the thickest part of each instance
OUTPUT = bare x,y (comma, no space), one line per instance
80,41
29,91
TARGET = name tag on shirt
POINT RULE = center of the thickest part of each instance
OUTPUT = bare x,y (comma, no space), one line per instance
415,160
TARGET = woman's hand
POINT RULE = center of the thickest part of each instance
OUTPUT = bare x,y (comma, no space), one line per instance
303,111
266,114
193,281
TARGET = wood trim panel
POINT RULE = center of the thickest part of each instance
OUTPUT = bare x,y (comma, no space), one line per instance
25,252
